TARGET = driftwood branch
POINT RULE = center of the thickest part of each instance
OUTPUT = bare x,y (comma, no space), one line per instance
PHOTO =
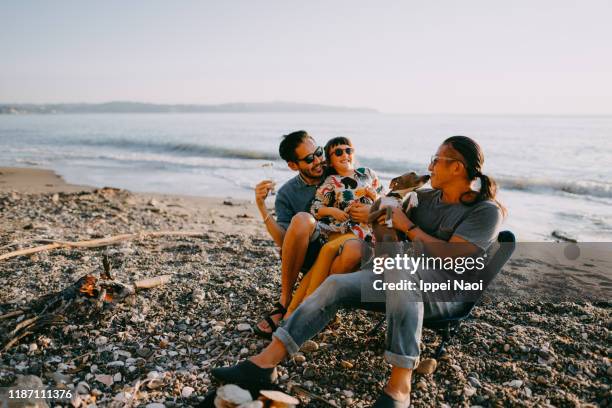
152,282
12,314
96,243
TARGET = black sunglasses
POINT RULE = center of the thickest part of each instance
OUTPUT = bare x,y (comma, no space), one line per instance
339,152
311,157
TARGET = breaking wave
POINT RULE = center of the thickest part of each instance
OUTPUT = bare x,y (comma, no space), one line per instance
183,149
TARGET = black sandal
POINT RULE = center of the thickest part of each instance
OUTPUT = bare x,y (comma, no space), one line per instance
278,309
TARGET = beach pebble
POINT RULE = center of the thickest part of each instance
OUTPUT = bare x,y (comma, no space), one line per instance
231,395
82,388
468,391
198,295
155,405
309,346
154,375
474,382
243,327
427,366
144,352
123,397
514,383
104,379
76,401
101,340
506,348
346,364
60,378
186,392
421,385
348,393
299,358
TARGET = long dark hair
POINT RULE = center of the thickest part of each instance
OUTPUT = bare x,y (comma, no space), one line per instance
331,143
473,159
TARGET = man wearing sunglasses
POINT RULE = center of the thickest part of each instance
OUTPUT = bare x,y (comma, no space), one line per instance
294,229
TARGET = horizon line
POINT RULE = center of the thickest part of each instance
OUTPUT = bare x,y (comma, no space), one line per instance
337,106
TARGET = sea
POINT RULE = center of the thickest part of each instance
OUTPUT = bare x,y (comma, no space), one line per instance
554,172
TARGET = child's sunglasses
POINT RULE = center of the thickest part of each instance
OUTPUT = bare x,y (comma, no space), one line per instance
308,159
339,152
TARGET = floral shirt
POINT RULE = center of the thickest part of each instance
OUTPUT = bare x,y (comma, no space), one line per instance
341,191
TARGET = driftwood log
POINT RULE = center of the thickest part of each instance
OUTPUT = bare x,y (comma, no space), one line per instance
97,243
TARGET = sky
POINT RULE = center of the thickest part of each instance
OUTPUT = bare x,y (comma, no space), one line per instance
441,56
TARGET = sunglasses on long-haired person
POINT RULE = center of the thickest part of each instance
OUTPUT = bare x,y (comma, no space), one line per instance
308,159
339,151
435,159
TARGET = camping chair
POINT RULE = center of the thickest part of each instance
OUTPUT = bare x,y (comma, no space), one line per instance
447,328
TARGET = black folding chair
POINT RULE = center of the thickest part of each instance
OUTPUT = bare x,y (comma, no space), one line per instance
447,328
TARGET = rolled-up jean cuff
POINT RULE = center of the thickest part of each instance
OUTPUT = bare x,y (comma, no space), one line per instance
398,360
285,338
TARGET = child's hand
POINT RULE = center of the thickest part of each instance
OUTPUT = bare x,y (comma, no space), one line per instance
371,193
339,215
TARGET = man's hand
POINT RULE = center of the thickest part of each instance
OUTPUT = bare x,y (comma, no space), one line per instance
359,212
400,220
262,190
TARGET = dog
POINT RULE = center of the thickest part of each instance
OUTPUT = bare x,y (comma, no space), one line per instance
402,195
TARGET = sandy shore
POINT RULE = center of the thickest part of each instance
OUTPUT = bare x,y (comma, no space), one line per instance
160,346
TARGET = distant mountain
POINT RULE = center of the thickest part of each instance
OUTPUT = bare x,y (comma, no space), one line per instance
138,107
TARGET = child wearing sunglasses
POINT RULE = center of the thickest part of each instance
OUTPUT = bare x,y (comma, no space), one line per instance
343,187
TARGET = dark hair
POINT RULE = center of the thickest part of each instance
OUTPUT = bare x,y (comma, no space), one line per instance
331,143
473,159
290,142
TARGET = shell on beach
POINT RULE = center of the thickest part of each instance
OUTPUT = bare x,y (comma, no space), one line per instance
231,396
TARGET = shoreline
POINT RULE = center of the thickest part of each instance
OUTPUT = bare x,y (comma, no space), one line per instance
218,210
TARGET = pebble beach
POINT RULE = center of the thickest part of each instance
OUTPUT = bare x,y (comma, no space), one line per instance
159,347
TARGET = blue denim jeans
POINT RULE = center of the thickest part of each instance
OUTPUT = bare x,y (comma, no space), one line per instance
404,316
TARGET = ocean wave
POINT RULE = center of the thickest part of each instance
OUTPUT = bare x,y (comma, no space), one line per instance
589,188
577,187
183,149
386,168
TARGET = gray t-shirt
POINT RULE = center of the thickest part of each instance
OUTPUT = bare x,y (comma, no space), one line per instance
293,197
478,224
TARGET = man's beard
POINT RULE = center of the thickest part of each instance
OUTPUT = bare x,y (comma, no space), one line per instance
308,174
